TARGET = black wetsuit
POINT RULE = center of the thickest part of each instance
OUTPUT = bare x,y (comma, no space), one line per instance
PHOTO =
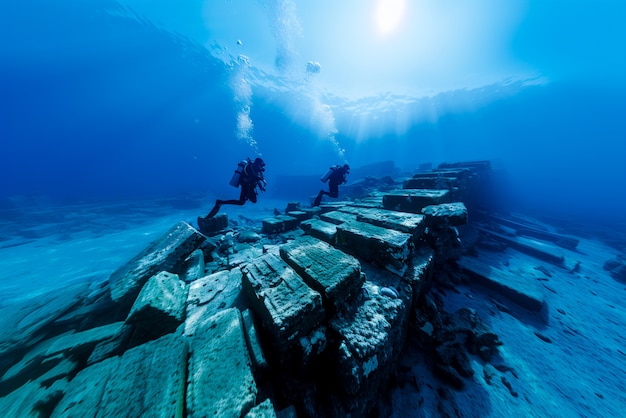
337,177
251,177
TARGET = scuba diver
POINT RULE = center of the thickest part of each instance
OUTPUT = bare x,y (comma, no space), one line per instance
335,176
248,175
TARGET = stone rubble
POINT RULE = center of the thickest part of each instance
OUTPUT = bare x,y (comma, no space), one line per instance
305,316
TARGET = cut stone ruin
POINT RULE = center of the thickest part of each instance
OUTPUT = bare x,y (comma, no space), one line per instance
308,318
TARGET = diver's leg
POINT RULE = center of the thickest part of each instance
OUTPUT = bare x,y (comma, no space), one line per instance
318,199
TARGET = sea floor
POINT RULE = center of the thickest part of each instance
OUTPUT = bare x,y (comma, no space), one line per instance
569,360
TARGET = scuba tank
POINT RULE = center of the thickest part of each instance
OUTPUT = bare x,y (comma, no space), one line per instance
234,181
330,171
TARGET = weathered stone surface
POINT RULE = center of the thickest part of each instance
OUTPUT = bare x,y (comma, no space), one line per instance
541,250
263,410
420,271
336,217
213,226
148,380
193,267
414,200
220,381
319,229
29,401
413,224
21,321
210,294
300,215
159,308
371,330
388,248
252,340
430,183
114,346
521,289
248,236
445,215
164,254
287,307
49,353
337,276
280,223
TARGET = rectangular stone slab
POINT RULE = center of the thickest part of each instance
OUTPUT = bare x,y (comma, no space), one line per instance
164,254
521,289
336,275
388,248
413,224
220,380
445,215
148,380
321,230
413,201
336,217
287,307
430,183
278,224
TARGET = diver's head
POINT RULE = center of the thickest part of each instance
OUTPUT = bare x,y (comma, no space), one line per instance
260,163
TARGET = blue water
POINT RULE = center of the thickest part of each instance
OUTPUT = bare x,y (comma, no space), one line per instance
120,118
104,100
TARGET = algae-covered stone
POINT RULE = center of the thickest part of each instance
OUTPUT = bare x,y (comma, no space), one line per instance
220,380
336,275
410,223
159,308
371,332
336,217
148,380
210,294
287,307
263,410
319,229
280,223
413,201
165,254
388,248
445,215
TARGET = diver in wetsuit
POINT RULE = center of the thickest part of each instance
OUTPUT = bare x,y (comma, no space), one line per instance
249,177
336,176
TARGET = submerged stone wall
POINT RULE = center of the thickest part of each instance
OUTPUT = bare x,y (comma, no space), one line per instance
310,319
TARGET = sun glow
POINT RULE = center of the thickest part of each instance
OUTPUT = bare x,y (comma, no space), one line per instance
389,15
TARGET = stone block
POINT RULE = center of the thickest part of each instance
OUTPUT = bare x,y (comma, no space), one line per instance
159,308
148,380
371,332
319,229
413,201
336,217
263,410
398,221
388,248
28,400
278,224
445,215
252,340
213,226
21,322
164,254
439,182
193,267
521,289
286,306
300,215
420,272
334,274
220,380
